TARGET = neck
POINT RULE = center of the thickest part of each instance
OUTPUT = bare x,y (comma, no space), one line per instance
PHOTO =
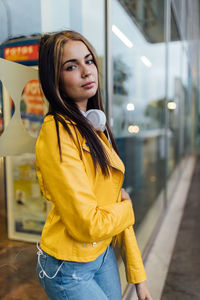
83,105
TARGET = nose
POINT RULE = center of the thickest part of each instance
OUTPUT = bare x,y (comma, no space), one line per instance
85,72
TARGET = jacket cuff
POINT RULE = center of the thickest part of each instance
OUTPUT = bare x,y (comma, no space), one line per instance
135,276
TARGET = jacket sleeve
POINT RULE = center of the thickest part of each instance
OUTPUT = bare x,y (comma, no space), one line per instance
131,256
69,189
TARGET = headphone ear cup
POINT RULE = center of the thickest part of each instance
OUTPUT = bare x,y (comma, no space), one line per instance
97,118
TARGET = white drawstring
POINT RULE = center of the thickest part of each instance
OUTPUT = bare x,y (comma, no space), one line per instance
42,273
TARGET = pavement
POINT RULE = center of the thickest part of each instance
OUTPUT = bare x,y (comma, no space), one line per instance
183,278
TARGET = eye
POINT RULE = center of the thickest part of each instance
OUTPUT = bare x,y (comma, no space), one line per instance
90,61
71,68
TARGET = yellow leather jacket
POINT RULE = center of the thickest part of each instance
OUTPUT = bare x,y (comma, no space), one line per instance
87,213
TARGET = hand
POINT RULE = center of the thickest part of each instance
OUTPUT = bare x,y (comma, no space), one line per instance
125,195
143,291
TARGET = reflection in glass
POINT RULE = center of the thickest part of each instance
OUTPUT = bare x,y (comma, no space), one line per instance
149,16
138,106
175,104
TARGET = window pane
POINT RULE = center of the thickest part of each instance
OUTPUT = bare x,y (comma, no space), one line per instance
139,102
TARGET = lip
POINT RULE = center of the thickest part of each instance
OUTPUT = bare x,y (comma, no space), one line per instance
88,85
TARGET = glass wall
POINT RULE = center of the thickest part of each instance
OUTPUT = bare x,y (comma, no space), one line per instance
187,18
153,100
175,99
139,100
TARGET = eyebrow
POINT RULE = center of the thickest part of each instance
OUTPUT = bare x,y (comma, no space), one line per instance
75,60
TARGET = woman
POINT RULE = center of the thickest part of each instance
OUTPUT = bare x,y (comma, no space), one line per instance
80,172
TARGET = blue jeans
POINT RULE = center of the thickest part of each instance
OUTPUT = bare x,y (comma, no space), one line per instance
68,280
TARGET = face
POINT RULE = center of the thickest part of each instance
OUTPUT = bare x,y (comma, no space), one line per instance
79,78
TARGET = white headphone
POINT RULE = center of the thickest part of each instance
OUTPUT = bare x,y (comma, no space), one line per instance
96,117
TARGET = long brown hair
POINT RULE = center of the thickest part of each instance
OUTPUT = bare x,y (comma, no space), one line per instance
50,56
